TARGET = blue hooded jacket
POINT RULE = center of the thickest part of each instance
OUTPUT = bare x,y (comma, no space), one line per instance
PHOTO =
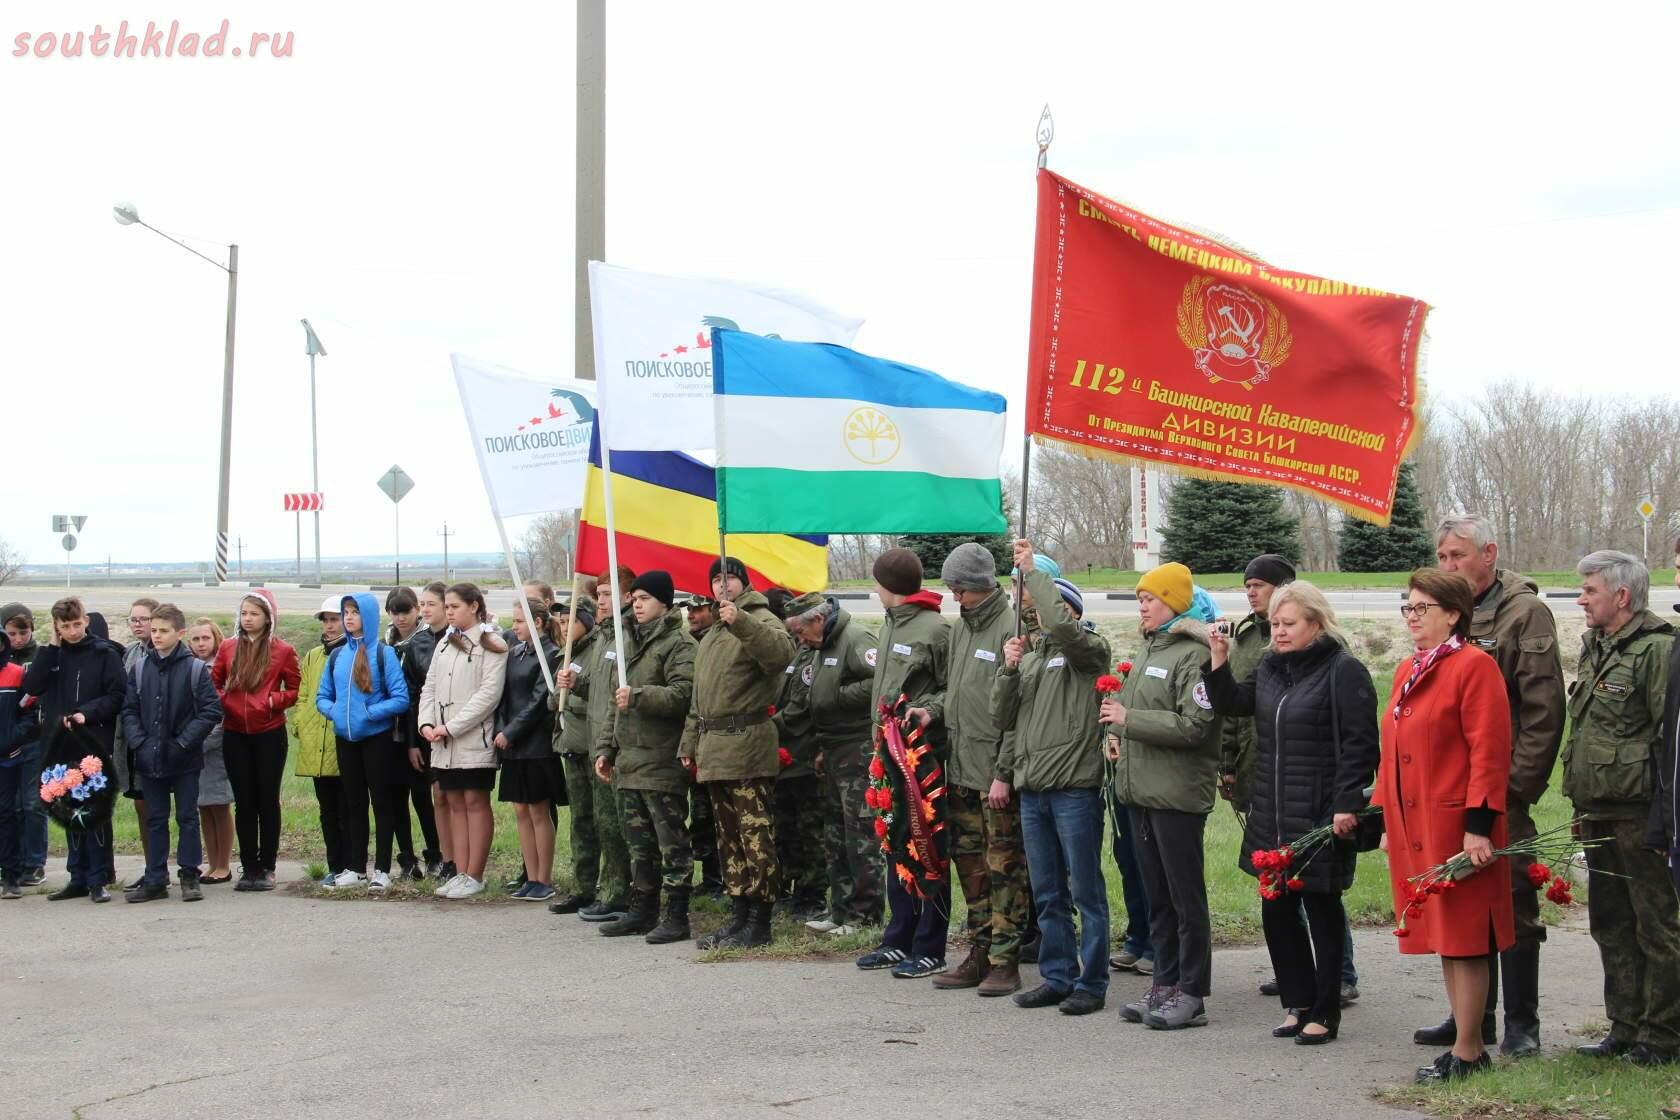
358,714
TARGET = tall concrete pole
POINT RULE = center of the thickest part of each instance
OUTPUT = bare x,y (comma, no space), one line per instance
591,168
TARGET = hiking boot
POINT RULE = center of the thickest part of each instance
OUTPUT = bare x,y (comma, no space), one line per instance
264,881
973,969
1179,1011
642,916
1079,1002
1124,961
1002,980
604,910
570,904
1145,966
1607,1047
673,924
68,890
1134,1011
1042,996
739,909
756,931
146,892
1445,1033
190,890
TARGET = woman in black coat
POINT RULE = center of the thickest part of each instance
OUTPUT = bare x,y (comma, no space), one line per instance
1316,750
532,780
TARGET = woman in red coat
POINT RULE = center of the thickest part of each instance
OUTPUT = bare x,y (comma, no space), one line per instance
1446,758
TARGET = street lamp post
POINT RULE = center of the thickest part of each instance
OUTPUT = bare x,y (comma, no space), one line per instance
313,346
126,214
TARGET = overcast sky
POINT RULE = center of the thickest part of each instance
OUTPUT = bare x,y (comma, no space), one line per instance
405,181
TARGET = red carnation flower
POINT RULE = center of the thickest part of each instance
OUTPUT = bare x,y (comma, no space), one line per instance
1286,856
1106,683
1538,873
880,828
1296,885
770,711
784,757
876,769
1402,932
1123,668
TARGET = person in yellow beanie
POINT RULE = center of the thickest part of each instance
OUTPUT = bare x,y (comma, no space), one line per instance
1163,740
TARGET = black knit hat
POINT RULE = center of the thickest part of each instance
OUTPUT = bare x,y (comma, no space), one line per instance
734,567
1270,568
658,584
899,570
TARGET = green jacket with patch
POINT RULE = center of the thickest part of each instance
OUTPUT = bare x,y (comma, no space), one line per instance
912,660
842,678
978,751
1516,629
571,730
793,715
1049,702
1616,709
598,676
641,741
738,673
1249,640
1169,748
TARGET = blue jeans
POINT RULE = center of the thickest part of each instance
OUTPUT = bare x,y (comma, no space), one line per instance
190,852
32,817
1063,830
1132,889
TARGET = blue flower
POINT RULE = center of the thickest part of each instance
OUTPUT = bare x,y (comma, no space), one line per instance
46,776
97,782
59,771
81,792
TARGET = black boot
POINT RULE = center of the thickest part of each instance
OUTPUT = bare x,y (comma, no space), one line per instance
674,925
641,918
756,932
711,876
1446,1033
738,912
1521,966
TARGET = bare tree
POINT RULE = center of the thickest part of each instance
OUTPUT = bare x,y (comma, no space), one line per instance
11,561
547,545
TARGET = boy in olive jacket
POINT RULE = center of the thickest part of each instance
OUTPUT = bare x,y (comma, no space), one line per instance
1047,697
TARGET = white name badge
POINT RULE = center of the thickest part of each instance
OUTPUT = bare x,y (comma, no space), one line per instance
903,649
985,655
612,655
1055,662
575,667
1156,671
831,661
788,671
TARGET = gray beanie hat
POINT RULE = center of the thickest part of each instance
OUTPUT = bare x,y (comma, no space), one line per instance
970,567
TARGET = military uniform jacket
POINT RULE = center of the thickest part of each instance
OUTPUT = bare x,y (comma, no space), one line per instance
1661,833
571,729
1169,748
738,673
793,715
641,741
1050,701
597,681
842,678
1616,705
912,660
1516,629
1249,641
979,753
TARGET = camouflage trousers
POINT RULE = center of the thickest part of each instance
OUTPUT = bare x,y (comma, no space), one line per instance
597,834
656,832
799,836
702,837
855,863
990,860
745,812
1633,912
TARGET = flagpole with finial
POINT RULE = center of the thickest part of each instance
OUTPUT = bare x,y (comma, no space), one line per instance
1046,133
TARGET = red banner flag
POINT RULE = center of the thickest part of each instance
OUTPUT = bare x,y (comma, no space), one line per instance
1153,342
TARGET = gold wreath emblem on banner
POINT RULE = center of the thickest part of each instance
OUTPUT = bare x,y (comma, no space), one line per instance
1235,334
870,436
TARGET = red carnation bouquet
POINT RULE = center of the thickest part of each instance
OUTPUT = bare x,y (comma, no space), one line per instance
1554,852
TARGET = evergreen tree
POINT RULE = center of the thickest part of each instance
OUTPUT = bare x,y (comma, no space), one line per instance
932,548
1221,526
1404,545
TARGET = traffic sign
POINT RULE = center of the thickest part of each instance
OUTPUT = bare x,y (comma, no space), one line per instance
1646,509
69,542
78,520
304,502
61,523
396,483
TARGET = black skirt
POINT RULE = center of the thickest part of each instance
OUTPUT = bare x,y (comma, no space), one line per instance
526,781
482,777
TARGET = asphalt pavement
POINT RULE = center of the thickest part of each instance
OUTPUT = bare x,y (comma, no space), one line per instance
266,1005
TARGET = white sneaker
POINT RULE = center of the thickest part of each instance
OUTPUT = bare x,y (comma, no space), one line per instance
464,886
448,885
379,881
329,881
350,879
824,924
842,931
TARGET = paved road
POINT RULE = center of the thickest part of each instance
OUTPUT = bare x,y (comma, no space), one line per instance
281,1005
197,599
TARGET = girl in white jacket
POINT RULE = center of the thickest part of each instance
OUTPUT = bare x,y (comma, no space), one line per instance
458,717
